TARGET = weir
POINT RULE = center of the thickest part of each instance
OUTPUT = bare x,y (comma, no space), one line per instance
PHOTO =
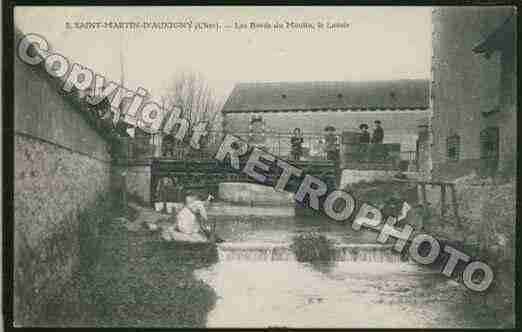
244,251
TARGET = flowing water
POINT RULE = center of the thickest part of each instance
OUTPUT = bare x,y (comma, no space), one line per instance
259,282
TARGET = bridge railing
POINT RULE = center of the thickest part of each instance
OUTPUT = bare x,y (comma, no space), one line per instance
276,143
409,160
279,144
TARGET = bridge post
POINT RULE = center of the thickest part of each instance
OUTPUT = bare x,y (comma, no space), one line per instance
442,199
138,181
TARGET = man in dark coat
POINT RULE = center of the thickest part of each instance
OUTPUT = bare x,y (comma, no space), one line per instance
378,133
296,142
330,143
364,140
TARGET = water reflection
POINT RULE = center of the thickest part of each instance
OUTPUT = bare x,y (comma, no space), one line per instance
293,294
260,281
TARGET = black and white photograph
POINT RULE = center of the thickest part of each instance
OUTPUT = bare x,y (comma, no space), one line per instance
262,167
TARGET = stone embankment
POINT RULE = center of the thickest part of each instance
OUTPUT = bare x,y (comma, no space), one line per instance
487,231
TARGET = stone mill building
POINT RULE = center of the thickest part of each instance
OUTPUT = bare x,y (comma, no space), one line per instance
275,109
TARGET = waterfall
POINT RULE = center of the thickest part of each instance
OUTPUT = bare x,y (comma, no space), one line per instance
374,253
255,252
245,251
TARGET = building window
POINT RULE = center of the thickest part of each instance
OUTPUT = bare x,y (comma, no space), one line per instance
453,147
489,145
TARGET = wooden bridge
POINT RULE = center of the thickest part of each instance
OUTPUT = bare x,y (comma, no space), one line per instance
197,169
208,173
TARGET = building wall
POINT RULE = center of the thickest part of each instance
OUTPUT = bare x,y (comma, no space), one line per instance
399,126
61,165
464,83
506,119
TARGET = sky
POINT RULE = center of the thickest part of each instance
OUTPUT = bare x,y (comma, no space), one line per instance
379,43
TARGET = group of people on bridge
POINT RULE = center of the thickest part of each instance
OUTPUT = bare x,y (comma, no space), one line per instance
330,142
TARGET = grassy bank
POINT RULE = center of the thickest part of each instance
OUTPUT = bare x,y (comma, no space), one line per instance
132,279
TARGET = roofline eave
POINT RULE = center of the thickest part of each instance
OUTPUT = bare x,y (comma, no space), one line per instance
354,110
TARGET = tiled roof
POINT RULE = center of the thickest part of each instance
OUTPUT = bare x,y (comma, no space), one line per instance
298,96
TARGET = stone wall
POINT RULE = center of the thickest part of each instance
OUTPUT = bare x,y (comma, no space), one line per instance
61,165
487,230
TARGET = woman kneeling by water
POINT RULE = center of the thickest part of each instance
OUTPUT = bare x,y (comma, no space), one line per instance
190,223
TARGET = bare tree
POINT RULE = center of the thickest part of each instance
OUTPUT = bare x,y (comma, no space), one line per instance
190,92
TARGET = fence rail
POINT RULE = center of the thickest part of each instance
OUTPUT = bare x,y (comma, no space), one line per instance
278,144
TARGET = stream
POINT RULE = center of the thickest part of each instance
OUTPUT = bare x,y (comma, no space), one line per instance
259,282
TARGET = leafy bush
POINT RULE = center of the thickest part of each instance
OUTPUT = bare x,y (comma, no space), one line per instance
388,196
312,247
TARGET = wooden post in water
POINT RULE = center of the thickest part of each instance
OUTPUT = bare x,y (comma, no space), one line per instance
442,199
454,201
279,144
424,199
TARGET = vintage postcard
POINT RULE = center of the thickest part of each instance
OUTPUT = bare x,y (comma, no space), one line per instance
264,167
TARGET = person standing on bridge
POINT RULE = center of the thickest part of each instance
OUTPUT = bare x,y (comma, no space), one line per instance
330,143
365,135
378,133
377,150
364,140
297,144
